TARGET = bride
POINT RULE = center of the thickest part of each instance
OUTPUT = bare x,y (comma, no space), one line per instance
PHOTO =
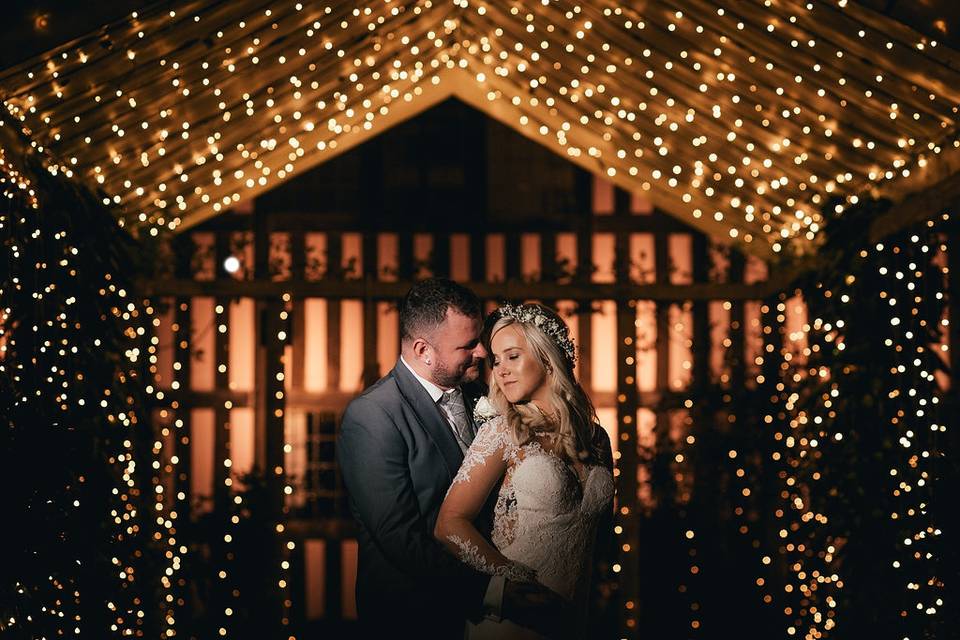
540,443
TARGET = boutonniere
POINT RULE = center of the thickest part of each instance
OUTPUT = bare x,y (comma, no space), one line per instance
483,411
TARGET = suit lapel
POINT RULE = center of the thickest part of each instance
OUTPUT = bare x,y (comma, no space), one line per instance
469,401
430,417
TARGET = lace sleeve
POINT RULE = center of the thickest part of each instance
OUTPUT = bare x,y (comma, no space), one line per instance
482,469
491,447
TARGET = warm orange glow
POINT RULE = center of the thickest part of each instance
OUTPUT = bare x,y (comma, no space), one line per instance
295,457
604,347
602,196
387,256
242,440
719,314
643,267
640,205
348,580
496,252
315,344
242,339
646,324
530,256
460,257
681,346
423,253
202,334
388,336
604,245
352,257
316,248
753,337
201,457
166,346
681,258
351,345
566,252
315,584
608,420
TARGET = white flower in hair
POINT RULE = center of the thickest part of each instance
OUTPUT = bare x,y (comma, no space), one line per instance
556,330
483,411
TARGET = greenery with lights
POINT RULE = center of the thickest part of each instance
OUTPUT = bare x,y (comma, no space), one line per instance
74,440
839,451
863,438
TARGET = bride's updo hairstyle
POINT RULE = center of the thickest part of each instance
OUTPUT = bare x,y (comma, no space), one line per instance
548,338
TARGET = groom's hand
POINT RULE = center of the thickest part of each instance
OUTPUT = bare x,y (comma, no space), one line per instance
533,605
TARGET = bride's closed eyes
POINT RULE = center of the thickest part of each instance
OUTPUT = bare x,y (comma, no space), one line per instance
511,356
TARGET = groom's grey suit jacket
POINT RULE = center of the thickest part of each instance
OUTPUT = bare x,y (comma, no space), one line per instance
398,456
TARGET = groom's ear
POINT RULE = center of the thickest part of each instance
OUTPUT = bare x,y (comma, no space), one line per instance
421,348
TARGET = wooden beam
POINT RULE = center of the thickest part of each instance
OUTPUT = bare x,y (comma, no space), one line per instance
513,289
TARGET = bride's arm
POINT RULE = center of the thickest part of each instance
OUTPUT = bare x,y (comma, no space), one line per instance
483,467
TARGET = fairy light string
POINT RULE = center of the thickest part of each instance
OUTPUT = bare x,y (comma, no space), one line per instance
739,119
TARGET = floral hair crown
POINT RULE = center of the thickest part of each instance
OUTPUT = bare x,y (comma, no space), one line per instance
556,330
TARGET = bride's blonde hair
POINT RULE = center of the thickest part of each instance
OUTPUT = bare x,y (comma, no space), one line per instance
576,417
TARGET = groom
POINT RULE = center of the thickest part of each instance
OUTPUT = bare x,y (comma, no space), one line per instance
400,445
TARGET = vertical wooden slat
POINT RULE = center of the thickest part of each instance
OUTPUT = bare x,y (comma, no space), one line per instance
628,400
513,255
737,322
221,356
298,584
440,265
334,580
183,252
627,405
621,242
298,268
405,270
371,367
261,271
478,257
701,315
334,271
548,256
662,261
583,184
298,255
269,407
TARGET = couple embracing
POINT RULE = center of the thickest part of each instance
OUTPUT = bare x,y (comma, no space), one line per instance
478,508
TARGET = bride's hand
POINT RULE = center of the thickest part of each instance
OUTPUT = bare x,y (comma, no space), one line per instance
516,572
537,607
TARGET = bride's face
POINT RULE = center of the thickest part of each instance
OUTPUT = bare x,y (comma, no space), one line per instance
516,369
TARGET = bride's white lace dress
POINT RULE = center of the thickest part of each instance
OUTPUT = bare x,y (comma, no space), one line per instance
545,520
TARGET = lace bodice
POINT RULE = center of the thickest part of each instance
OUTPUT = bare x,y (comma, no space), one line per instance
545,516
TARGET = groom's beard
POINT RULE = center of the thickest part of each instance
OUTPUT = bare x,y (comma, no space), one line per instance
445,376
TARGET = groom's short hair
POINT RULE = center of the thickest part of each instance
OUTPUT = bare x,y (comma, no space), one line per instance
424,308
